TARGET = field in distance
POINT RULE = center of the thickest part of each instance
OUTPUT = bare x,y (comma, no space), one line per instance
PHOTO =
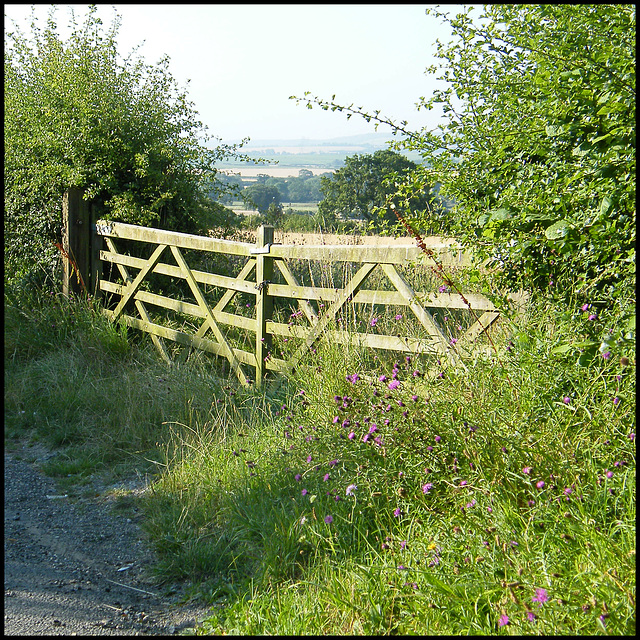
240,208
315,155
275,171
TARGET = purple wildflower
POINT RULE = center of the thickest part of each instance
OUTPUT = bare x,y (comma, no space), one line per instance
504,620
540,484
397,512
326,477
566,399
304,492
298,477
328,519
374,322
351,488
394,384
541,597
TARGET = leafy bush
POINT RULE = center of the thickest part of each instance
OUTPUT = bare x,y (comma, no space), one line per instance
537,149
76,114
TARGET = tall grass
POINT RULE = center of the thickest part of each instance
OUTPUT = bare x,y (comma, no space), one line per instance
463,504
365,497
93,390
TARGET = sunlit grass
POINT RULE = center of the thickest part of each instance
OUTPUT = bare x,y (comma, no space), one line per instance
364,497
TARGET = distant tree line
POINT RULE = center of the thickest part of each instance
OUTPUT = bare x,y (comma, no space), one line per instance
358,191
303,188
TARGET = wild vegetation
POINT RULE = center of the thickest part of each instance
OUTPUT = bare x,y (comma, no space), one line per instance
361,498
370,495
78,114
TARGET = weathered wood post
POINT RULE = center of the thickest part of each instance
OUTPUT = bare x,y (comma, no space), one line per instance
76,242
264,302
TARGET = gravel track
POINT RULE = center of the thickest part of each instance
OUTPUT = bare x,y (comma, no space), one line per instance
73,566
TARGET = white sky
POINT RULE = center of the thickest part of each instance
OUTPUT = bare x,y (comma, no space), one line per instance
244,61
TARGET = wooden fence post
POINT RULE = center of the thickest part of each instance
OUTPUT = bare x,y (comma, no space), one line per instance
264,302
95,265
76,242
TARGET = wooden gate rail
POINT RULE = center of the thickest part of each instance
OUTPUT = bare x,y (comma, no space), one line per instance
265,260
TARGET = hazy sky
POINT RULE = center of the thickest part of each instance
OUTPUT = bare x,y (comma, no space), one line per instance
244,61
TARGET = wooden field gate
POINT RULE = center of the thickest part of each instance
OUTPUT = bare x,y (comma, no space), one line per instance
92,245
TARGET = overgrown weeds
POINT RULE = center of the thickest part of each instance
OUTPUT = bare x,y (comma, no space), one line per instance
401,504
366,497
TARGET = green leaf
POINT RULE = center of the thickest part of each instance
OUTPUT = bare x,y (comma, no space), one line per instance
483,219
606,205
558,230
501,214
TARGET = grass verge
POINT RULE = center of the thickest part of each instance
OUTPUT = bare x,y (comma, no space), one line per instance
494,500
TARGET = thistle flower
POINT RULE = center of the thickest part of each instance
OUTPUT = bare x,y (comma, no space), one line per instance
540,597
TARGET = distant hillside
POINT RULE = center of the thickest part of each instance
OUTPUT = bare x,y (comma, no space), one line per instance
377,140
313,152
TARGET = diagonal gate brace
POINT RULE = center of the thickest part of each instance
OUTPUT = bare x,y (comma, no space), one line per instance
202,303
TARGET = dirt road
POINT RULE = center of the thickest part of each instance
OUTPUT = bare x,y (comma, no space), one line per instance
75,567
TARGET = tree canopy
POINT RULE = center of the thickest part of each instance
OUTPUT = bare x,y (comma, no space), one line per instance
362,188
78,114
537,147
261,197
